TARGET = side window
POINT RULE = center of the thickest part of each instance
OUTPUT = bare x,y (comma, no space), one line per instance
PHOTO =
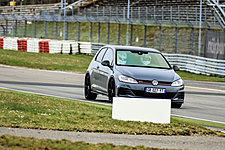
108,55
101,54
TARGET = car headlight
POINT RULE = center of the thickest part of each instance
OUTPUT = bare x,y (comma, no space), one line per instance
123,78
178,82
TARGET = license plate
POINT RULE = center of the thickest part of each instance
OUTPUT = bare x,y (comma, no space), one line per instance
155,90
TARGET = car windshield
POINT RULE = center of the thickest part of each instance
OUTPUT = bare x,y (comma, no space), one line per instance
141,59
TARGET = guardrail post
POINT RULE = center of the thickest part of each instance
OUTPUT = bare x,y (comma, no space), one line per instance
45,29
71,50
25,29
99,30
79,48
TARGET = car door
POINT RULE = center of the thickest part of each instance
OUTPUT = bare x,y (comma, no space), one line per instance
104,71
95,76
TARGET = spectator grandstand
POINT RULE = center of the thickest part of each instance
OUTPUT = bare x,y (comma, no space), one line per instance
143,3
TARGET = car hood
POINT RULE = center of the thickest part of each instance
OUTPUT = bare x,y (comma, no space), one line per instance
142,73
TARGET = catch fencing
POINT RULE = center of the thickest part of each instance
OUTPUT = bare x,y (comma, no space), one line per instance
160,28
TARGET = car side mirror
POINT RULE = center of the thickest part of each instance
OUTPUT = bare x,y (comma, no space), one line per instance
176,68
106,63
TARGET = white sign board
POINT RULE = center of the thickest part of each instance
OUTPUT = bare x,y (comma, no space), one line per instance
141,109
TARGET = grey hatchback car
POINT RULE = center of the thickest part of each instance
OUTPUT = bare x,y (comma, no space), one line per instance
128,71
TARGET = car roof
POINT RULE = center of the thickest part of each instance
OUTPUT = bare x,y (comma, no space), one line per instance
133,48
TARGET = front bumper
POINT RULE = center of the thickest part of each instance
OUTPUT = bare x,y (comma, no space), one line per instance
176,94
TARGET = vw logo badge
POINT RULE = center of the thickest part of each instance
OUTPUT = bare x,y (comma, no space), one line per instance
155,82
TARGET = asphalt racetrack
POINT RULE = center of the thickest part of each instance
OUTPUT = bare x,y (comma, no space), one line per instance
203,100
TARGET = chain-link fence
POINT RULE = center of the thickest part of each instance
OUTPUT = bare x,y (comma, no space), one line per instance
109,26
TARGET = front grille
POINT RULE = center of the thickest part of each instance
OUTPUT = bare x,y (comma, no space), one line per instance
153,95
150,82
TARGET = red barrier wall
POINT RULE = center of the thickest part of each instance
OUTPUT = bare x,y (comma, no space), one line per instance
2,43
22,45
43,46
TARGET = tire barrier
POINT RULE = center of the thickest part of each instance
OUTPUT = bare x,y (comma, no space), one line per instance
22,45
43,46
10,43
55,46
85,47
1,43
33,45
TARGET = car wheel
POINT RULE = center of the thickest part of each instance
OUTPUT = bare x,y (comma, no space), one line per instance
176,105
111,90
87,89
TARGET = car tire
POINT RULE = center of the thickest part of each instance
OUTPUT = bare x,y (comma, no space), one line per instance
176,105
87,89
111,90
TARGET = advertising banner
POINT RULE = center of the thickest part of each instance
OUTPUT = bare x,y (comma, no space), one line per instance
214,46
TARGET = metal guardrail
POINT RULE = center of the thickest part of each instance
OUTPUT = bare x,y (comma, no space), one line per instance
190,63
196,64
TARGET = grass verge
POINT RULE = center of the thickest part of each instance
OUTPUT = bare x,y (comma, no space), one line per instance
198,77
24,110
7,141
77,63
200,122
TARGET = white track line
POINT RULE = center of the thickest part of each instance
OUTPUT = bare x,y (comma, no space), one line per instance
200,88
56,71
105,104
57,96
197,118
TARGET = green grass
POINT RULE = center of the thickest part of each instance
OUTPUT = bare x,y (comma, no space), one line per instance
23,110
199,77
13,142
200,122
77,63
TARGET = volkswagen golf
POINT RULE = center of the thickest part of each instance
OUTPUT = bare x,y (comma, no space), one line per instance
127,71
